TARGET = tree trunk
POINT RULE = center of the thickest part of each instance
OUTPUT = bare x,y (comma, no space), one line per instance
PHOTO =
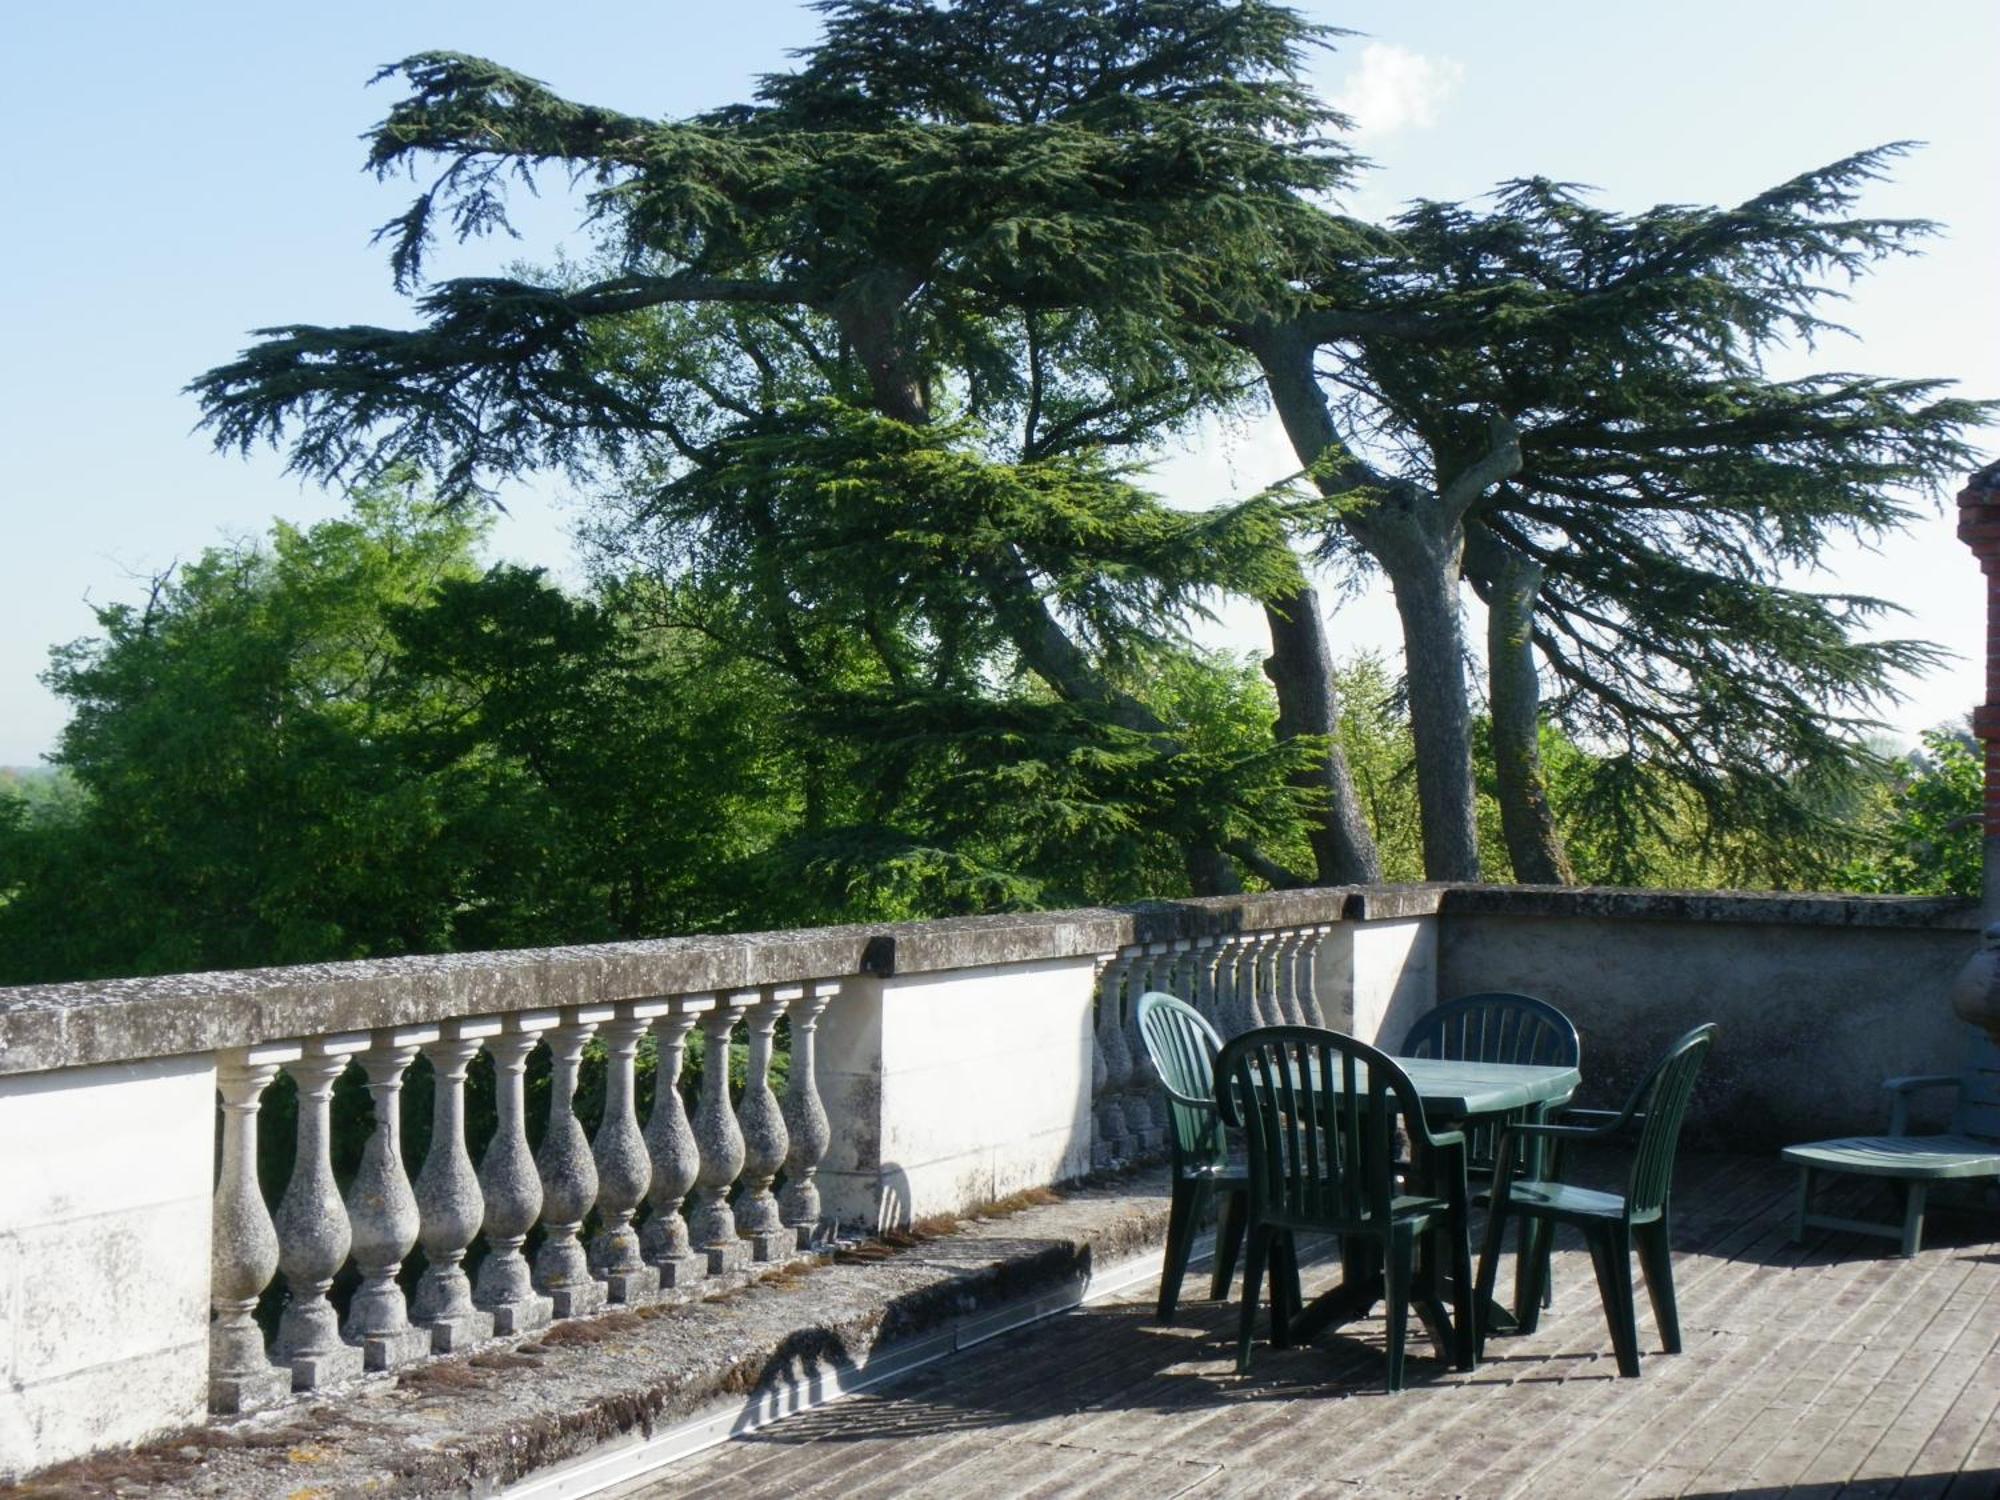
1510,584
1426,592
1300,667
1405,531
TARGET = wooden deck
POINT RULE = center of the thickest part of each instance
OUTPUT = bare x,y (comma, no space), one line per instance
1823,1369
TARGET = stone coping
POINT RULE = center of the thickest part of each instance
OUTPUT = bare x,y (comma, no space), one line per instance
44,1027
474,1425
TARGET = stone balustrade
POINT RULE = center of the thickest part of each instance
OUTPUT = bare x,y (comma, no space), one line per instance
607,1177
1236,980
431,1183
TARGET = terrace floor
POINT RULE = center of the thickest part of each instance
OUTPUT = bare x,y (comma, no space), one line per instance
1824,1369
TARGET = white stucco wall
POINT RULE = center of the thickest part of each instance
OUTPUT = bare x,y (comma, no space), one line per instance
954,1089
104,1244
1375,978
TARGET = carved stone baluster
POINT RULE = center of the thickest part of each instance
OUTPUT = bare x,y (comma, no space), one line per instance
1284,976
1257,971
243,1254
671,1146
382,1210
1315,1013
1202,981
1146,1106
805,1117
624,1171
569,1172
1114,1131
510,1185
720,1141
449,1203
1243,976
765,1139
313,1234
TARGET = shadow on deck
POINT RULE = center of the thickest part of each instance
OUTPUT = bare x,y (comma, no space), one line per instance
1817,1370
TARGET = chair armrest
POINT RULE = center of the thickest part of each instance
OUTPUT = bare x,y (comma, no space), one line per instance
1910,1083
1613,1123
1900,1090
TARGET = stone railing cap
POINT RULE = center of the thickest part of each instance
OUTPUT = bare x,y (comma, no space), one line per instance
119,1020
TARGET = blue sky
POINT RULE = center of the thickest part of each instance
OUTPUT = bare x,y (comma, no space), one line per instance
178,175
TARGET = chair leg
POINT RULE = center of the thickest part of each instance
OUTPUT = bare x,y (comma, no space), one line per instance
1398,1273
1285,1300
1611,1255
1533,1285
1532,1294
1464,1355
1656,1257
1489,1270
1228,1241
1913,1217
1257,1246
1183,1214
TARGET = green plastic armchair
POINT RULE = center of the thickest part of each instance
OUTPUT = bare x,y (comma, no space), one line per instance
1612,1225
1183,1047
1319,1113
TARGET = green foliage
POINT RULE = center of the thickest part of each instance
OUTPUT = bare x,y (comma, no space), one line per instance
1923,832
352,742
1667,488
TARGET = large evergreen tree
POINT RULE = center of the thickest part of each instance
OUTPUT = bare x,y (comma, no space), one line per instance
1568,408
992,224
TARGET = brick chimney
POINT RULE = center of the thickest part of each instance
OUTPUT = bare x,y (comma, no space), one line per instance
1979,529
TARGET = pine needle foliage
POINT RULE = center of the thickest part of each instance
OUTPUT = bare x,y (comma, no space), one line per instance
1669,490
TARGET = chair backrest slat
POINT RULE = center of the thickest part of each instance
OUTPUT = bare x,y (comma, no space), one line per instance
1183,1046
1319,1112
1494,1026
1663,1096
1978,1110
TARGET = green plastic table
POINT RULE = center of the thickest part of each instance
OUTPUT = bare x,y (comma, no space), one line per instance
1452,1093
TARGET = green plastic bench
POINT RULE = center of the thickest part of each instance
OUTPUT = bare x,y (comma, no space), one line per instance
1969,1149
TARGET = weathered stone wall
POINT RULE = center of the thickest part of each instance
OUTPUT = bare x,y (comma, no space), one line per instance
1819,999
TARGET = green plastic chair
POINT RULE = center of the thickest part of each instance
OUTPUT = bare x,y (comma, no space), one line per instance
1319,1113
1970,1148
1183,1047
1611,1225
1500,1026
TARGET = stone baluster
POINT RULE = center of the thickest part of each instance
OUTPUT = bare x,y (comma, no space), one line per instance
1114,1130
510,1185
1228,1016
382,1209
1146,1108
313,1233
806,1124
569,1172
719,1139
450,1205
1249,1012
243,1253
670,1144
1308,976
1257,981
624,1172
1100,1146
1284,976
766,1142
1201,981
